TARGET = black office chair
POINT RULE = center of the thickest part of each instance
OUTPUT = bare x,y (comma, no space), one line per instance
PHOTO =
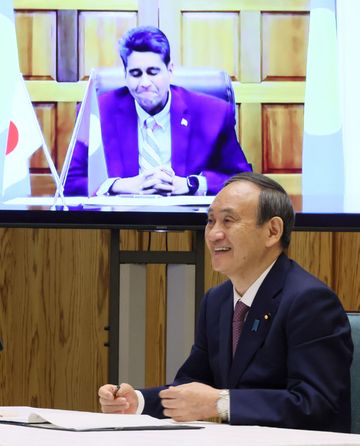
204,80
354,319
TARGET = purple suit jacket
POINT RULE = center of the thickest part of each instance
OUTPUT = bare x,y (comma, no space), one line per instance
206,144
291,369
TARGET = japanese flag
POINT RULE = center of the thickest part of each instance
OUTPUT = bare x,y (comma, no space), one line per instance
24,138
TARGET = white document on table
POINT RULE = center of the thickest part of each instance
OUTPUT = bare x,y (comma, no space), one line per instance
83,421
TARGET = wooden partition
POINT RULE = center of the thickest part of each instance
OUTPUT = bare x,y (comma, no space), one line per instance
53,314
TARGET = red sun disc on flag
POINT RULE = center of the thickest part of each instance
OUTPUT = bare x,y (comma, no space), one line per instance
13,138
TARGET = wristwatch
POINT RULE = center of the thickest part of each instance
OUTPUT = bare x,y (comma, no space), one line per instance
192,182
223,404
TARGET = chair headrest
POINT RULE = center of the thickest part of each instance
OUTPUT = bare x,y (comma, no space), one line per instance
205,80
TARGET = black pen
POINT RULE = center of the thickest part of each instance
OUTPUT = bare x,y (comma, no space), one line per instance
116,390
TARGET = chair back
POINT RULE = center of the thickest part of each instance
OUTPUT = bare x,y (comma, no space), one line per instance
354,319
210,81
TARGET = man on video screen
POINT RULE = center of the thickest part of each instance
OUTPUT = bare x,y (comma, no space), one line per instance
159,138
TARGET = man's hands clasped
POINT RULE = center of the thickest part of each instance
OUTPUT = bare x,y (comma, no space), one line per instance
159,180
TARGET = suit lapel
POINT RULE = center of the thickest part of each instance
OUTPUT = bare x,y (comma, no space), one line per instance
259,319
127,135
225,338
180,132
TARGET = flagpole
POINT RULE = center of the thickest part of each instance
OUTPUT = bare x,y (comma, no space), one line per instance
46,151
74,136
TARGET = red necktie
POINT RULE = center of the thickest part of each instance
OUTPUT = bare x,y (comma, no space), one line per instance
240,311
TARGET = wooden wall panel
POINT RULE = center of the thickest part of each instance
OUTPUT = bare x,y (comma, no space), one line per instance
99,33
216,30
57,121
264,49
155,359
65,120
133,240
53,310
284,45
282,137
36,37
314,252
250,135
180,241
347,267
46,114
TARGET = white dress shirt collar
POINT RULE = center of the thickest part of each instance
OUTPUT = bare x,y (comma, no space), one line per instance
249,295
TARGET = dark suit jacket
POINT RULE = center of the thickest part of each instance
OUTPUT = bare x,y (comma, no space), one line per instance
203,140
292,365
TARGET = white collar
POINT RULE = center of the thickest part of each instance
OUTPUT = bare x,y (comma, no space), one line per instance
249,295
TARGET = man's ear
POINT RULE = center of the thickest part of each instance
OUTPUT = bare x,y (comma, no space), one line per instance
170,67
275,230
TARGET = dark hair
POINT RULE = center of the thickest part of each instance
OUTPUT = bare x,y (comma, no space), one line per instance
273,202
142,39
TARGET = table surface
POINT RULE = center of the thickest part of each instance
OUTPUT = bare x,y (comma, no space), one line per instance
212,435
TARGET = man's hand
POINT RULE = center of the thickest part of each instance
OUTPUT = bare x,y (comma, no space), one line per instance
164,181
180,186
131,185
160,180
190,402
118,400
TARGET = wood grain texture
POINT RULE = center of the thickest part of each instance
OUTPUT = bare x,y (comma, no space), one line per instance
46,114
347,267
216,30
180,241
42,184
284,44
99,33
54,306
36,37
314,252
65,121
56,121
155,325
251,135
282,137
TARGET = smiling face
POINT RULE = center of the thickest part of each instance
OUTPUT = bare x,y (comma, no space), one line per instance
239,247
148,80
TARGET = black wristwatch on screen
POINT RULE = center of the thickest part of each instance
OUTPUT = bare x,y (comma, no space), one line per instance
192,183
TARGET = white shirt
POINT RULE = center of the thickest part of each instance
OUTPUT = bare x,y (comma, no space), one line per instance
161,132
249,295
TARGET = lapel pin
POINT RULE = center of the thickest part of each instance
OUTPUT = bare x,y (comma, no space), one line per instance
184,122
255,325
267,316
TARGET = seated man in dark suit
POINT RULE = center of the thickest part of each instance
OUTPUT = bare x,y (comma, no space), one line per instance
286,361
159,138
